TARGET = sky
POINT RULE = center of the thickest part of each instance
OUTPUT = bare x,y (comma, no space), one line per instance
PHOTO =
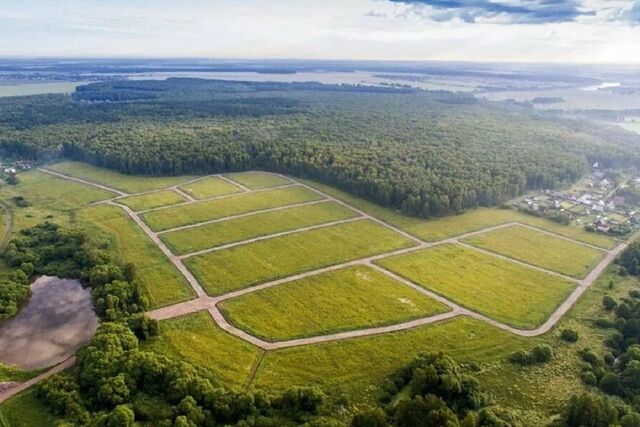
554,31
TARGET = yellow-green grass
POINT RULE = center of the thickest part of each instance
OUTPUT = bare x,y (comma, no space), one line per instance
152,200
196,339
359,366
209,187
234,230
119,181
246,265
473,220
162,282
258,180
351,298
513,294
25,410
193,213
12,373
540,249
49,192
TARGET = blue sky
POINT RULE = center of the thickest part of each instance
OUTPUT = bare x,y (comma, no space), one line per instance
602,31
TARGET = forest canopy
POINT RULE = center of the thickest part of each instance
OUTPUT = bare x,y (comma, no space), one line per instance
426,153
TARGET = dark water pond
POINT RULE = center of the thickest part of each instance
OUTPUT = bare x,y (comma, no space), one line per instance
57,319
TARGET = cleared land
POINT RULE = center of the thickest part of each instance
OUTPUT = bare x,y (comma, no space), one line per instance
25,410
473,220
163,282
209,187
539,249
234,230
198,340
119,181
230,269
505,291
49,192
152,200
258,180
347,299
193,213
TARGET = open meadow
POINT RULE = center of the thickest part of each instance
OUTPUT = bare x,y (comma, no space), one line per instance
540,249
258,180
510,293
152,200
347,299
242,266
209,187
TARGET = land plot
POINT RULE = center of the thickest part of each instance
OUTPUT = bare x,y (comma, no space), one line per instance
513,294
209,187
347,299
152,200
162,282
46,191
258,180
193,213
230,269
234,230
119,181
196,339
540,249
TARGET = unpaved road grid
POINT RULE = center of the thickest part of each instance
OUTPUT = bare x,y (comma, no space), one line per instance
205,302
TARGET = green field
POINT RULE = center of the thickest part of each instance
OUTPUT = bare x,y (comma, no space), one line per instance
122,182
25,410
196,339
442,228
49,192
12,373
162,281
152,200
351,298
539,249
258,180
234,230
226,270
177,216
505,291
209,187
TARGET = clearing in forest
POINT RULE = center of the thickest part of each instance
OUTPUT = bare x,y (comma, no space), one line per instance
194,239
152,200
212,186
178,216
347,299
242,266
540,249
508,292
258,180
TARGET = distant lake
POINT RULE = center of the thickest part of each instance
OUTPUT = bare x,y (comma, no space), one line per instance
22,89
56,320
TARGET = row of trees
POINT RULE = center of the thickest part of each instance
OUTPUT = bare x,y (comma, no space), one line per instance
425,153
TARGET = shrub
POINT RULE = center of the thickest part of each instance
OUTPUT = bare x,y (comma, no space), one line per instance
539,354
610,384
608,303
569,335
589,378
370,418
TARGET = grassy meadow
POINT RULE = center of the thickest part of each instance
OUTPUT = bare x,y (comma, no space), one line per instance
351,298
209,187
539,249
505,291
178,216
234,230
162,281
258,180
119,181
25,410
197,339
235,268
152,200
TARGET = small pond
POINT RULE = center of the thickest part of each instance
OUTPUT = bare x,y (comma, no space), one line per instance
56,320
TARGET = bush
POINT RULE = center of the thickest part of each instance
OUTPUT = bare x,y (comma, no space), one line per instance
608,303
370,418
589,378
569,335
539,354
610,384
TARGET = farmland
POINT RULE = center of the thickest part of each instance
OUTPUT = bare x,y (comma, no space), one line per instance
152,200
540,249
510,293
209,187
246,265
234,230
258,180
178,216
350,298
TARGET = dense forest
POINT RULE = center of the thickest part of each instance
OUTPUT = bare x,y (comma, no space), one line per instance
426,153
